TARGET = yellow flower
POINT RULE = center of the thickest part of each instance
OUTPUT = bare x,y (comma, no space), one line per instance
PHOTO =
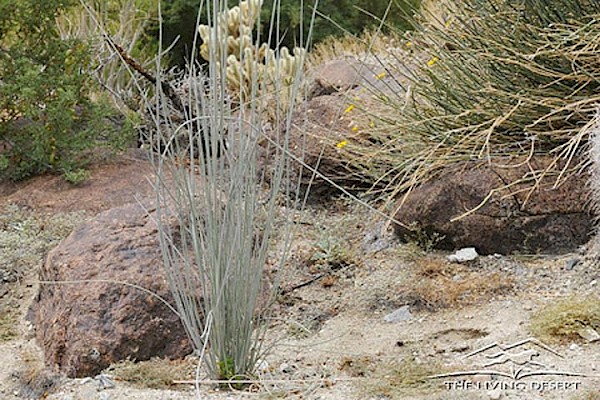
372,124
349,109
380,76
355,128
408,44
341,144
432,62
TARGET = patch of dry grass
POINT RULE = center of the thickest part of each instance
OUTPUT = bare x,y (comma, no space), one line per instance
588,395
37,383
438,284
33,379
26,236
156,373
8,327
390,379
565,319
336,47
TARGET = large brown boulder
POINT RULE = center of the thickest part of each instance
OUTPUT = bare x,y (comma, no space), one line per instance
85,326
335,76
549,219
317,126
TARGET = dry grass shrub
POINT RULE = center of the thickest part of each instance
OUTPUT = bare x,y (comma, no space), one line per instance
496,79
336,47
36,383
8,326
565,319
389,379
26,236
438,284
33,379
587,395
156,373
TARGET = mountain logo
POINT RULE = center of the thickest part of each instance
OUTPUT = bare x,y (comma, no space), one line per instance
515,361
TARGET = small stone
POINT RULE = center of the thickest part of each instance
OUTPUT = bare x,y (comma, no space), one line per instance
464,255
571,263
495,394
401,314
574,347
589,334
262,366
104,381
285,368
593,283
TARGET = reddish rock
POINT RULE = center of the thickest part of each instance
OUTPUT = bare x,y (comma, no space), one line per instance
84,327
336,76
345,74
318,127
550,220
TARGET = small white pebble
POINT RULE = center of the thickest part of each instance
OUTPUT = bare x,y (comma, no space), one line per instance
104,396
574,347
285,368
495,394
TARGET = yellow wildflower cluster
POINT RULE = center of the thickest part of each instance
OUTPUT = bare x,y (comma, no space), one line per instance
433,61
342,144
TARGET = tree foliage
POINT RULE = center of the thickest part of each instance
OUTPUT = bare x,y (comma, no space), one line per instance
339,17
46,117
334,17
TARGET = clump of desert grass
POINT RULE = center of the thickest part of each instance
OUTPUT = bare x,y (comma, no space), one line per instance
8,326
567,319
156,373
355,46
494,81
216,207
390,379
438,284
26,236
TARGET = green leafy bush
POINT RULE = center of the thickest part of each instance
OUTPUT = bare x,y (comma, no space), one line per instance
47,121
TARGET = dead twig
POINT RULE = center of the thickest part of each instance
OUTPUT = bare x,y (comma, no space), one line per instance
302,284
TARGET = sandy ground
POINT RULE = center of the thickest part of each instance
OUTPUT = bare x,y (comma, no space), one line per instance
331,338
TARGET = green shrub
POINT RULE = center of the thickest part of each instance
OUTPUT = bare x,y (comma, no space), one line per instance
47,120
77,176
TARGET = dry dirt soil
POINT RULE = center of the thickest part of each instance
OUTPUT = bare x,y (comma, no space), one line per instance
361,316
